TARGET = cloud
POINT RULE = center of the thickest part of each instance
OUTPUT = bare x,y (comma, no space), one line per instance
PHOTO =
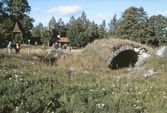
66,10
35,10
102,16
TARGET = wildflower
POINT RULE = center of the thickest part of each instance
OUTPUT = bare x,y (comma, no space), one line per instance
16,76
91,89
17,109
113,85
127,92
134,105
147,93
100,105
10,78
145,89
139,92
113,93
137,101
164,96
151,87
103,89
138,107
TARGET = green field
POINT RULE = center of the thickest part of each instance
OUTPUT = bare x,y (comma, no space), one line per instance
30,86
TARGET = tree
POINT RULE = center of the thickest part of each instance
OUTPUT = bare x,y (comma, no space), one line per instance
52,23
81,31
37,30
102,30
13,11
133,25
46,37
62,28
159,26
91,32
112,25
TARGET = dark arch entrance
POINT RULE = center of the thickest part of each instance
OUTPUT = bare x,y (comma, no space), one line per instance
124,59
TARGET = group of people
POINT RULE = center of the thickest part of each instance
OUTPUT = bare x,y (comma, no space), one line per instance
16,46
66,48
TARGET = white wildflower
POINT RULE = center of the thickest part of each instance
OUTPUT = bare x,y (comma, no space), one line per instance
102,105
113,93
103,89
113,85
91,89
164,96
137,101
16,76
10,78
17,109
138,107
139,93
127,92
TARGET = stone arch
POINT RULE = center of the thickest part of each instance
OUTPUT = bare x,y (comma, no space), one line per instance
123,56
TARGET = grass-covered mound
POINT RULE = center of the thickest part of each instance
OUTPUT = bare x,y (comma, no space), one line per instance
95,55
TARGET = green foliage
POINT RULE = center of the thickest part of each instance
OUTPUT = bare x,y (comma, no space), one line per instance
81,31
112,25
12,12
159,25
37,31
133,25
26,88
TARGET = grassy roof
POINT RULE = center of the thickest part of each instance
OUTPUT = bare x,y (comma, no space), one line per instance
96,54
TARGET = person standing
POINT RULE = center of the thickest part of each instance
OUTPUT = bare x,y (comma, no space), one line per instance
17,48
9,47
55,46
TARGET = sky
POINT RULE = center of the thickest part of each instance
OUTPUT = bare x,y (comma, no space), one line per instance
96,10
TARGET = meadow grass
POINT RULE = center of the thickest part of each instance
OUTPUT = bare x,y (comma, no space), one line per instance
32,86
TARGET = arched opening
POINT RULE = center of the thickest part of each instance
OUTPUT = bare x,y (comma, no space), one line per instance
124,59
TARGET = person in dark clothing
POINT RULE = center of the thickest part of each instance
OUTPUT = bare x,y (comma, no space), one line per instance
17,48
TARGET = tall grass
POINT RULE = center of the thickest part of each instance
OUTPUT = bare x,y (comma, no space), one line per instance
32,86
